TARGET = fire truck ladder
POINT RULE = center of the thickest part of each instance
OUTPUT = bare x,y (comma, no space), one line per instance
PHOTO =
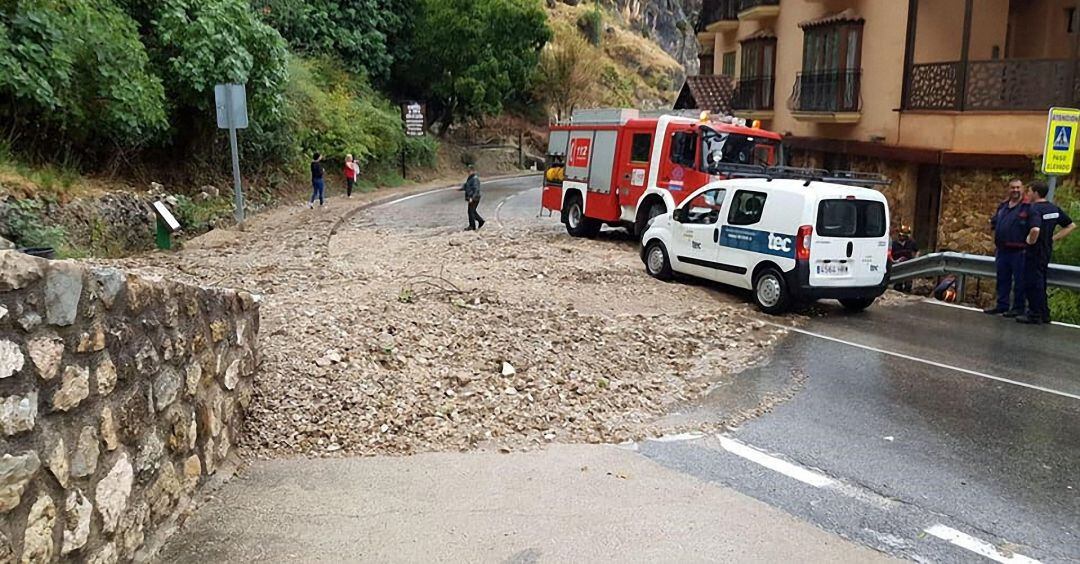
807,175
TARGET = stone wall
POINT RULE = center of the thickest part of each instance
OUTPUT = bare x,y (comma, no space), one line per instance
119,396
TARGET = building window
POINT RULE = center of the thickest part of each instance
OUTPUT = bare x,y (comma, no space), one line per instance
755,89
1070,20
836,47
728,68
831,73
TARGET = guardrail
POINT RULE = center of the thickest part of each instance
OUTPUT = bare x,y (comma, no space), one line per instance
938,264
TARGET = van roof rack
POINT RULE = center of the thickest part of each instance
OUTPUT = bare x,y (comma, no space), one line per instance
808,175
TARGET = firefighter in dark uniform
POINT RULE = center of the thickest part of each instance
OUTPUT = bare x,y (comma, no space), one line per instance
1044,218
1010,226
904,248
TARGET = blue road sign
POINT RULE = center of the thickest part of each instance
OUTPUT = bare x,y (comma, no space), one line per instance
1062,135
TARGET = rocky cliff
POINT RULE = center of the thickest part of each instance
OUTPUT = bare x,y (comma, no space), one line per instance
670,23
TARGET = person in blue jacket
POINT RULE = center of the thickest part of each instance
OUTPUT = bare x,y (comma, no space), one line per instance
1045,217
1010,226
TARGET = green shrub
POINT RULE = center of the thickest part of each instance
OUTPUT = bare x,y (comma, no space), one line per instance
335,114
421,151
76,73
28,226
198,216
1064,305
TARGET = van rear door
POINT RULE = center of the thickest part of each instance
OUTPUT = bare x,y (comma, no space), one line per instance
849,247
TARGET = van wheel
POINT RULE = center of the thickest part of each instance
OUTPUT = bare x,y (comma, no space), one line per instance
577,225
656,261
856,304
771,292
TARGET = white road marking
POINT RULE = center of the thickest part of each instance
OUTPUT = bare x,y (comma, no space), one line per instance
928,362
969,308
498,208
978,546
784,467
413,196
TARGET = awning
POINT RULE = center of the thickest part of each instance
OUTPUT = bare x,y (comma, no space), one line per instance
846,16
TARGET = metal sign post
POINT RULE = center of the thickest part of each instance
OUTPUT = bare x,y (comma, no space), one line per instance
412,113
231,102
1060,147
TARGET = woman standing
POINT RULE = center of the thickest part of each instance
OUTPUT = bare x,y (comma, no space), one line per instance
351,171
317,186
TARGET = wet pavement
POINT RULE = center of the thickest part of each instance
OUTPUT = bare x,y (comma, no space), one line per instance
920,415
926,438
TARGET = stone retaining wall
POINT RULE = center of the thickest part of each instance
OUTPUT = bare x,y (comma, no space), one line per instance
119,396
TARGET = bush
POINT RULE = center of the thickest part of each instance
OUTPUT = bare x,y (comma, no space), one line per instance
421,151
76,73
1065,305
27,225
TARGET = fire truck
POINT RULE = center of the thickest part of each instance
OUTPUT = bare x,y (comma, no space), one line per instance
622,167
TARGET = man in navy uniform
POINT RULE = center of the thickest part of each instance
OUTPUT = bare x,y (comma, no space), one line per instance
1044,218
1010,225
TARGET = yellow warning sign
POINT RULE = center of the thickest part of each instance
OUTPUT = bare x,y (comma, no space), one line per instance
1061,132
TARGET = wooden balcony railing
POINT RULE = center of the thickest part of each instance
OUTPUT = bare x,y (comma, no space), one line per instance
713,11
827,92
754,94
750,4
1001,85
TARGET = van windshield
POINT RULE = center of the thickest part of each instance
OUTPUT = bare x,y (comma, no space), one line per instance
851,218
735,148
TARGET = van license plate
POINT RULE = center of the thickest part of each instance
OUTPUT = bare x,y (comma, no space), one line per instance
832,269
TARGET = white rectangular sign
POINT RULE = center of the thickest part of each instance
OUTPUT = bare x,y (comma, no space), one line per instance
163,212
231,103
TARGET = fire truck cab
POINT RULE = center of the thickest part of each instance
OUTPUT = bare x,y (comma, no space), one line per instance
622,167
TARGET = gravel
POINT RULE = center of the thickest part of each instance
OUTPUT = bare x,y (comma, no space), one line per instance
378,341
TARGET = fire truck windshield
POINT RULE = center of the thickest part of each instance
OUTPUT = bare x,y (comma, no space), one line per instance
720,147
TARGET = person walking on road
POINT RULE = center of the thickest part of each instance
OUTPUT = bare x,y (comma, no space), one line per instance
472,196
317,185
1010,226
1044,217
351,171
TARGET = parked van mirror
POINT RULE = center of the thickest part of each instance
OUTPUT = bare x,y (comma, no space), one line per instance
680,215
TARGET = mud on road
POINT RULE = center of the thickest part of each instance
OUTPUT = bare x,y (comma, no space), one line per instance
384,341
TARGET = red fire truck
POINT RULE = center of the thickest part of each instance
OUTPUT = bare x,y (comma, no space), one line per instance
624,167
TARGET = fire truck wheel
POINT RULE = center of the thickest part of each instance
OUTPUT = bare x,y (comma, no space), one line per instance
656,261
654,209
771,292
577,225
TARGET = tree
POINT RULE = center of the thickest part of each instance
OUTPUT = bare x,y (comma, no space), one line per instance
358,32
469,56
196,44
567,74
76,73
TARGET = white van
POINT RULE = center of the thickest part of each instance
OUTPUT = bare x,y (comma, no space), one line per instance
784,239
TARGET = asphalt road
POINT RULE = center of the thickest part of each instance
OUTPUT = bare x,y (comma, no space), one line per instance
928,432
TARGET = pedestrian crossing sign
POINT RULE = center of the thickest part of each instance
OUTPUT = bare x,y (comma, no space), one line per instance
1060,140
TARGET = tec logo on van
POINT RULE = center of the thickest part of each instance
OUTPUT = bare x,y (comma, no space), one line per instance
753,240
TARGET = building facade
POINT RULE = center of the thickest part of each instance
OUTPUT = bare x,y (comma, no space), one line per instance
948,97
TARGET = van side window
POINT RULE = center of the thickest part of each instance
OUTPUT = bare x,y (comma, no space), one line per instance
683,148
640,147
705,208
747,207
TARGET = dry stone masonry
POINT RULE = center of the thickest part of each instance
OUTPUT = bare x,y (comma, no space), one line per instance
119,396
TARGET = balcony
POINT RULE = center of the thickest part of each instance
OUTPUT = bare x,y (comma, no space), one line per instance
1005,85
758,9
827,96
717,16
753,98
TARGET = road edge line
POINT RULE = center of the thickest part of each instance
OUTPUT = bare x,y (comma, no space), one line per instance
975,545
789,469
